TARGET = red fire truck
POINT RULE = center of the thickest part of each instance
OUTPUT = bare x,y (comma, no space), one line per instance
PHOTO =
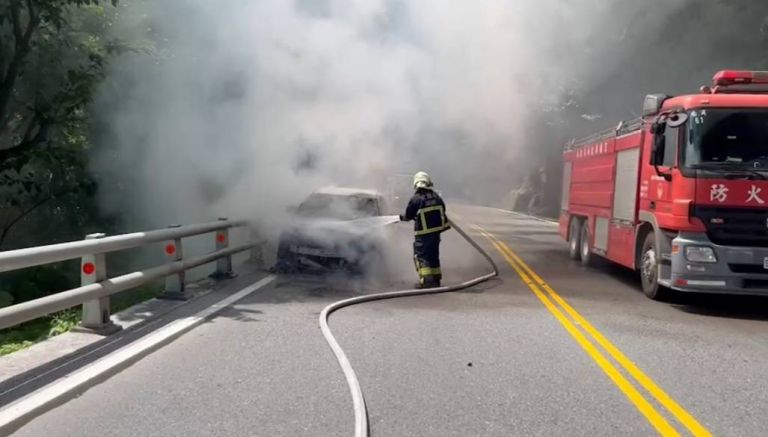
681,193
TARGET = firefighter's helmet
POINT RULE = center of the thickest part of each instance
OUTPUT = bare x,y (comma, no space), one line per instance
422,180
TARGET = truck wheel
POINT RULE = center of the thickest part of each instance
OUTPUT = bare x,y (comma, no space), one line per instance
585,251
649,269
574,240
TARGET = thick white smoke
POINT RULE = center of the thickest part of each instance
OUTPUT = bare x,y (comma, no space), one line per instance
249,105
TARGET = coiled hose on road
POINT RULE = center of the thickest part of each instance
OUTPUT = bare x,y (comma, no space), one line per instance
358,401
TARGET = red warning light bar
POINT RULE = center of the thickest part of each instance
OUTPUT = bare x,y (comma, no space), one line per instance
735,77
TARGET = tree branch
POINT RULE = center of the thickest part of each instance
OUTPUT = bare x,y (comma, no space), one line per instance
9,225
16,21
29,142
26,212
23,40
30,127
34,20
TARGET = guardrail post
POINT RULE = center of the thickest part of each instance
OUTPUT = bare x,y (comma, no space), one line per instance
175,285
223,264
96,313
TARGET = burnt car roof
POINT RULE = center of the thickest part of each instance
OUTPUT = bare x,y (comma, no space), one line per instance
344,191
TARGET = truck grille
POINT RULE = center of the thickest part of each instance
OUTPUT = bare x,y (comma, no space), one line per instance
735,226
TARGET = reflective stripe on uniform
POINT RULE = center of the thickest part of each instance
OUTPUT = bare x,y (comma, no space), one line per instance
430,271
422,213
432,230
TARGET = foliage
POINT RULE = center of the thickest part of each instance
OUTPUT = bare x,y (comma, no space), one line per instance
36,282
23,336
53,55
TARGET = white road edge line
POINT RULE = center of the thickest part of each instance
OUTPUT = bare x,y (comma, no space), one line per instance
15,415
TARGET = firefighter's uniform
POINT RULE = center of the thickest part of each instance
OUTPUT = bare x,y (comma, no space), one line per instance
427,210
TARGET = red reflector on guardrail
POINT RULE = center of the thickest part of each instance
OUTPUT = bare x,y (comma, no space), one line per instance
89,268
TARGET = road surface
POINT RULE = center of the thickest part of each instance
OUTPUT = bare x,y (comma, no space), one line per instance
549,348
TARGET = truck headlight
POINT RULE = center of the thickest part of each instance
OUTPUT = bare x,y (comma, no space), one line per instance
700,254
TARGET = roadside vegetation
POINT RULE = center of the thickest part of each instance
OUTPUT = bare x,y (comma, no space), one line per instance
54,57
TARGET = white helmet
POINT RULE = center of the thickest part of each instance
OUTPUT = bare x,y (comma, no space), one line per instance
422,180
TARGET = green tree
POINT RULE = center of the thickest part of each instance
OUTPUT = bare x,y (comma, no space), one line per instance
53,55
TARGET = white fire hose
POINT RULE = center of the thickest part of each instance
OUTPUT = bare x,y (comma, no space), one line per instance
358,401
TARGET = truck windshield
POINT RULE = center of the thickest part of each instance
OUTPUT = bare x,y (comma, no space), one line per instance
733,138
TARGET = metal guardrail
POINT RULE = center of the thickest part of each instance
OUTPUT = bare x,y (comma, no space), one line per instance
96,288
35,256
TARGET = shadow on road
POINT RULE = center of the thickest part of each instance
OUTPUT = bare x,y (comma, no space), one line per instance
711,305
239,314
724,306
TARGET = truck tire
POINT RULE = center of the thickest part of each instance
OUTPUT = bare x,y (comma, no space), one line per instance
585,251
574,239
649,269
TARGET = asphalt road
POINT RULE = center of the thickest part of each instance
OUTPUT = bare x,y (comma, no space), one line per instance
496,360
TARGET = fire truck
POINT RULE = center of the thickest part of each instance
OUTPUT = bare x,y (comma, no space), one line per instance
680,194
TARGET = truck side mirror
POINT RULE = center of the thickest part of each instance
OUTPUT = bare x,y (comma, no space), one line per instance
676,120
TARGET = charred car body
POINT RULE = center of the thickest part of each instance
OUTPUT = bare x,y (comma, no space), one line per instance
334,229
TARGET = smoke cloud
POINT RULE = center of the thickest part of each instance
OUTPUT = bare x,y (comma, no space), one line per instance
249,105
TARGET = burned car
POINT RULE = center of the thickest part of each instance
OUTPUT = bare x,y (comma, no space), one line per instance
334,229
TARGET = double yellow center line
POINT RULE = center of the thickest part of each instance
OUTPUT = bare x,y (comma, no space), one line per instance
559,308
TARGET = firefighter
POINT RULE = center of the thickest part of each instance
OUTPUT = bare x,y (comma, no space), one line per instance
427,210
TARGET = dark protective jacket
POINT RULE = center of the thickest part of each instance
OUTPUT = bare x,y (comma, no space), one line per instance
427,210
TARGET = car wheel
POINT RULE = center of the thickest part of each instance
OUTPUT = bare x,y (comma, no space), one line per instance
286,262
649,269
574,239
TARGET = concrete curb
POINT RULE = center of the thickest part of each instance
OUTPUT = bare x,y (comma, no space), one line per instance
40,358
